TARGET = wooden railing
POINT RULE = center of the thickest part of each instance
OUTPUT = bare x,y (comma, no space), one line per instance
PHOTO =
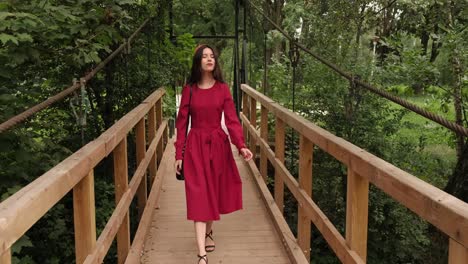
444,211
23,209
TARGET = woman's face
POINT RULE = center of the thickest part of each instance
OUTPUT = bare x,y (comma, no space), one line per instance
208,60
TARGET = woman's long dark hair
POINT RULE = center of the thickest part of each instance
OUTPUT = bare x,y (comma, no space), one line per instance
196,72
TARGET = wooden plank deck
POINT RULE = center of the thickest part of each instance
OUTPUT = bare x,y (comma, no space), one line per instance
246,236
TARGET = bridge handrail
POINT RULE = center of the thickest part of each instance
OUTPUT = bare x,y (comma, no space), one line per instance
439,208
24,208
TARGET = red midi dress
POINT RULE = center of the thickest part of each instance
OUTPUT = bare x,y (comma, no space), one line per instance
212,182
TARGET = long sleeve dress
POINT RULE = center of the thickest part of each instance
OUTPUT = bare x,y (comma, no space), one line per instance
212,182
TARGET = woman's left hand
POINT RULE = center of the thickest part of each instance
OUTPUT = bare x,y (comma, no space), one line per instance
246,154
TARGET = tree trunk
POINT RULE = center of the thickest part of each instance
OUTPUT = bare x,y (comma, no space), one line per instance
457,92
457,102
436,44
278,18
359,22
274,10
349,101
386,28
424,42
458,183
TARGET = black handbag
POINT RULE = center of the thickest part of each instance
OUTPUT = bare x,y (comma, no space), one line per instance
181,176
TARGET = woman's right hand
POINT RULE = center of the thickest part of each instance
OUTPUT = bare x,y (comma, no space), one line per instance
178,166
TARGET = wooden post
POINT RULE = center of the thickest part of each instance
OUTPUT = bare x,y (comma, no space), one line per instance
253,122
142,194
458,254
306,149
357,209
84,217
264,135
121,186
5,257
279,154
151,136
245,111
159,111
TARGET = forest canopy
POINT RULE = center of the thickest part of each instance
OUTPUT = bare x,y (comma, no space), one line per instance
414,49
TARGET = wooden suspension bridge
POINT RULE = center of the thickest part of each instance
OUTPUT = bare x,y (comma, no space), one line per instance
258,233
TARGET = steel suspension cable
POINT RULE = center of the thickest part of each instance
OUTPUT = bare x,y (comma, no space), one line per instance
294,55
461,130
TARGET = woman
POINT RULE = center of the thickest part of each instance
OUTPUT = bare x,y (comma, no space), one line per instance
212,182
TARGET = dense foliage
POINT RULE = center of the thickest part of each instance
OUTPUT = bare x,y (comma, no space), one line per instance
414,49
43,46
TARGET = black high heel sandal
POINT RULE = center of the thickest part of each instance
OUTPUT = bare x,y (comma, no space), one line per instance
210,248
204,257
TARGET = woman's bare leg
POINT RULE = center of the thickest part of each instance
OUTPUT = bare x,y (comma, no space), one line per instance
209,224
208,241
200,230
